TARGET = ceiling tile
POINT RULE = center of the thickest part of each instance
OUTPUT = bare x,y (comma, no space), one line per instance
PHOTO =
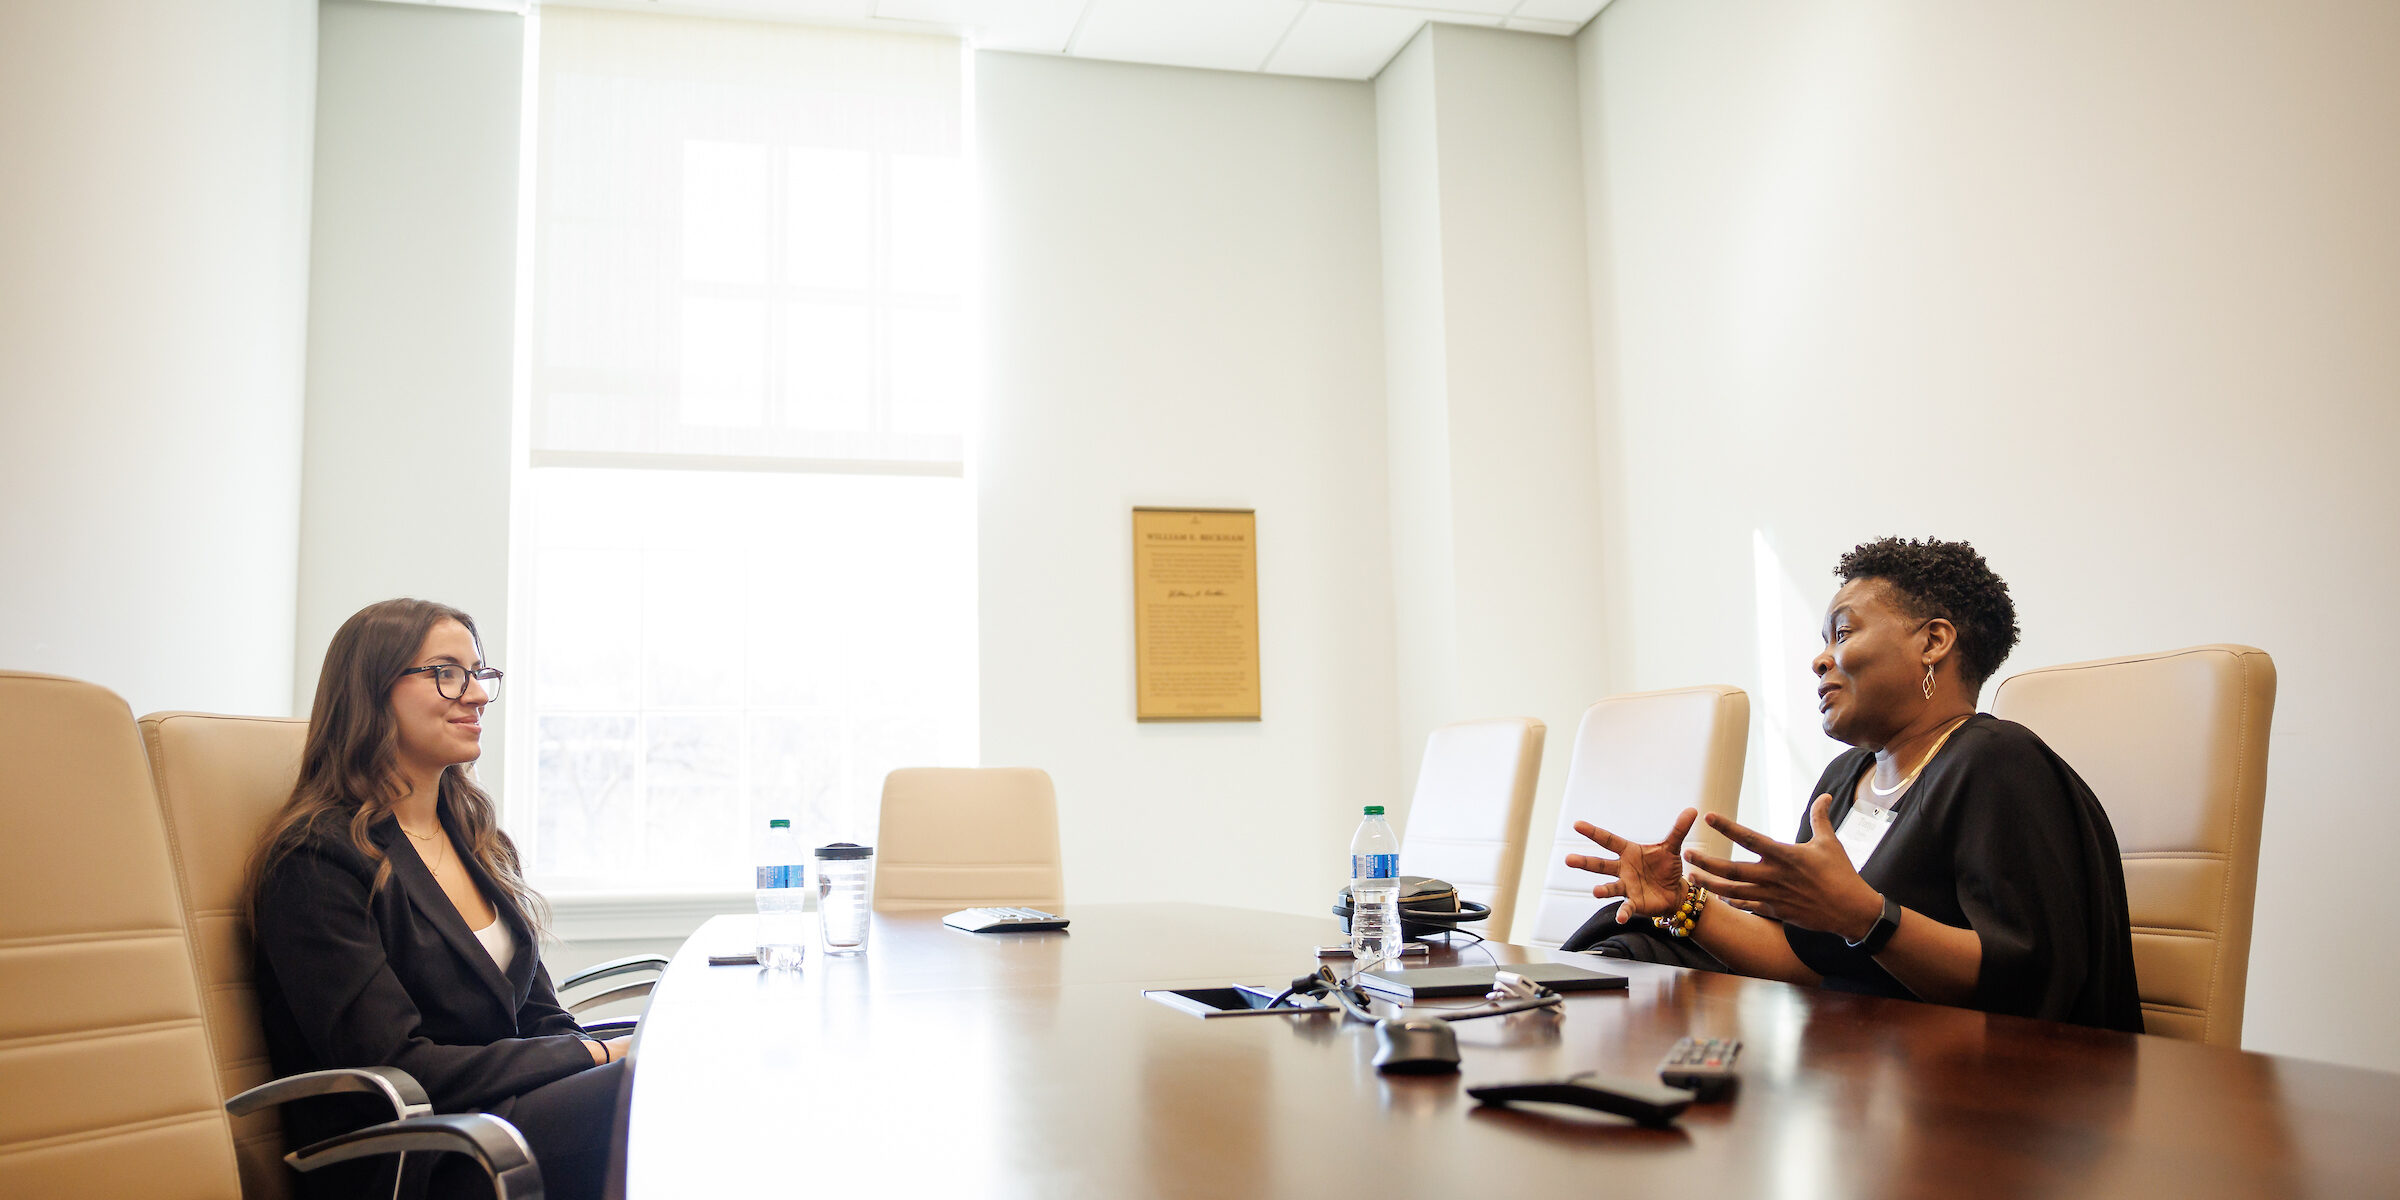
1485,20
1439,10
932,12
847,12
1040,26
1229,35
840,13
1345,41
1555,28
1578,11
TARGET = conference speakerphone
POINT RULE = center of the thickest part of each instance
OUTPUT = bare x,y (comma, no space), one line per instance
1426,983
1003,920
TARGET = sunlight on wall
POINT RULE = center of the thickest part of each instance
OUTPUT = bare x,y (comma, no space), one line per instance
1787,748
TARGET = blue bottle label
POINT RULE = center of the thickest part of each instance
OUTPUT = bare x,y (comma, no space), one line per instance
1374,866
795,875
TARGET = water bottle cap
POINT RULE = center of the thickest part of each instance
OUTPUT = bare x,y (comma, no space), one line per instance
779,823
841,850
1374,810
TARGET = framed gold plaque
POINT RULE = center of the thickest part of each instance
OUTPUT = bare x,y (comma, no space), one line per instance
1195,614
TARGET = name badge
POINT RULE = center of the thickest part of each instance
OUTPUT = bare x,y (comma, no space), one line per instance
1862,830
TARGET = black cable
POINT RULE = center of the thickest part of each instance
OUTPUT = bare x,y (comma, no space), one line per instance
1351,1003
1326,983
1551,1000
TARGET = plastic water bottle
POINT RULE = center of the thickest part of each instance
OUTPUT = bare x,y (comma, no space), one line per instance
1374,890
782,874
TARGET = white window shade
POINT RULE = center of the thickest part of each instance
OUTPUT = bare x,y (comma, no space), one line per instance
748,249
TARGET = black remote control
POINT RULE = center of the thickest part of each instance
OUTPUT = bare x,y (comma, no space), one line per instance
1646,1102
1705,1065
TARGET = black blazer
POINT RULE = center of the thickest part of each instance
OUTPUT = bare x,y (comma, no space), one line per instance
352,977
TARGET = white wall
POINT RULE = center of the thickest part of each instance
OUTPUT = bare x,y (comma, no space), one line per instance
1181,307
1416,373
1494,466
2110,296
411,320
153,243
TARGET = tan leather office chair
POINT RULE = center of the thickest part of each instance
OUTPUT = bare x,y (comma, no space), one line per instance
1467,821
107,1087
108,1079
220,780
2175,746
1640,759
959,837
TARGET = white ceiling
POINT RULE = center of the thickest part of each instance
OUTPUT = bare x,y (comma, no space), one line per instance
1335,39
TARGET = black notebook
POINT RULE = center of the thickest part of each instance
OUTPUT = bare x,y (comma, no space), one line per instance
1426,983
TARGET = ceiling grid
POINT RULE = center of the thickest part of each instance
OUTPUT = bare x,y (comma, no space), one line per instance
1332,39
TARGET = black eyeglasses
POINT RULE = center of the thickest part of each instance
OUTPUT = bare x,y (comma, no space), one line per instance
450,680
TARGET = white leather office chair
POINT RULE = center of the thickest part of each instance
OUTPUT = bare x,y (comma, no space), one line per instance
1467,821
960,837
2175,746
1640,759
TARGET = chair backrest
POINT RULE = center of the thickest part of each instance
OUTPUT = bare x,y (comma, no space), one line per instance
2175,746
960,837
220,779
1467,821
1640,759
107,1087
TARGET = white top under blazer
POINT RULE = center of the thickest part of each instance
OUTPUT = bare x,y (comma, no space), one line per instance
498,942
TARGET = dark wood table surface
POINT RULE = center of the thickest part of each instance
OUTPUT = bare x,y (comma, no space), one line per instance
1031,1065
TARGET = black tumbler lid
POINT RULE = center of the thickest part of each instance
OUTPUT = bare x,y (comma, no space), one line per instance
845,850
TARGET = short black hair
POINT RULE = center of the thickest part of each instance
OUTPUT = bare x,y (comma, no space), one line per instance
1934,578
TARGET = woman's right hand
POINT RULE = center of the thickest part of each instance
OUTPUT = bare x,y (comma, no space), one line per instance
1648,875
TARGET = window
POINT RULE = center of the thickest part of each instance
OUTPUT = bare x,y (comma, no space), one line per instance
746,545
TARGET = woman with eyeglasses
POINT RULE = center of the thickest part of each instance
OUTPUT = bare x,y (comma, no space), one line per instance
393,923
1949,856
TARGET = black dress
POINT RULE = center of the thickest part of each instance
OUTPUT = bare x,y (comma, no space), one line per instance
353,976
1998,835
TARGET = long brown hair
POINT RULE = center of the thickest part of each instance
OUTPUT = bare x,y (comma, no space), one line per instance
349,771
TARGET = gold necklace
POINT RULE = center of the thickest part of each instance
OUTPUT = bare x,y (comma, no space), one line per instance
428,839
1922,763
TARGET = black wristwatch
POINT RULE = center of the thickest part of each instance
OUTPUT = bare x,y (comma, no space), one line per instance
1885,926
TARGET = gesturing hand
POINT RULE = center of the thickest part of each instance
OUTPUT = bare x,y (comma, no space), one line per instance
1810,884
1648,875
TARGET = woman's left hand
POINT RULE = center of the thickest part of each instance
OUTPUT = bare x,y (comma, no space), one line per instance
1810,884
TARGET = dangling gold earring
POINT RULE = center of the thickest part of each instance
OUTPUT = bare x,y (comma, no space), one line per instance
1929,681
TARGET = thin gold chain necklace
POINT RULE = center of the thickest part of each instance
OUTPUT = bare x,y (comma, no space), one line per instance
431,864
1922,763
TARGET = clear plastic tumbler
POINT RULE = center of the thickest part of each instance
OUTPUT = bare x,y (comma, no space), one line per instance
845,879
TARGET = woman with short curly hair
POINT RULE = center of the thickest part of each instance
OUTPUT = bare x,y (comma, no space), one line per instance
1949,856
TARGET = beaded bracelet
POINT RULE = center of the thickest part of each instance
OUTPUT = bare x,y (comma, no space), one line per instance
1680,922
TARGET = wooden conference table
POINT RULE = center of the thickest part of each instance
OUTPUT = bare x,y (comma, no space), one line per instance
955,1064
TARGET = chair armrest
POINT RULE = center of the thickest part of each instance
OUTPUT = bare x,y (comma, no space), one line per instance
613,968
408,1100
495,1145
609,1031
631,991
